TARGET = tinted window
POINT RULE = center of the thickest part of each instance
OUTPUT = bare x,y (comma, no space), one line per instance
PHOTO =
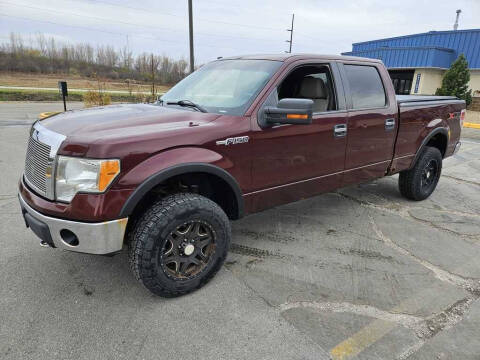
365,86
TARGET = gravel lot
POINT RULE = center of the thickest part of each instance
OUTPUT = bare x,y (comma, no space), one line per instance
359,273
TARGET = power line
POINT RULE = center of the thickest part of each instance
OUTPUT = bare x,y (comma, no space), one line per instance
173,14
172,42
86,16
103,20
203,19
182,16
67,25
130,24
169,42
132,7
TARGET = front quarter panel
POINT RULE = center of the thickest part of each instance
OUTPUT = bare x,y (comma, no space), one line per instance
169,158
161,167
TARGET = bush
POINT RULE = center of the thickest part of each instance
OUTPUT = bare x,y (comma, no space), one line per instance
96,98
455,81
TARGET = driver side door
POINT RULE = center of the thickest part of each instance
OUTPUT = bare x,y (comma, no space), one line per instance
291,162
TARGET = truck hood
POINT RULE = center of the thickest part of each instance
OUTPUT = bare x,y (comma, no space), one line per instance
125,120
123,131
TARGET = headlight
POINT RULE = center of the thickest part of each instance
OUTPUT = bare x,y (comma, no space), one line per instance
83,175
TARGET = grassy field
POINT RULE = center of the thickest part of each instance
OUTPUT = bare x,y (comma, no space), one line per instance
40,84
53,95
74,82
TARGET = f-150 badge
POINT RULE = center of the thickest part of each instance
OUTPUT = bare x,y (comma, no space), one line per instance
233,141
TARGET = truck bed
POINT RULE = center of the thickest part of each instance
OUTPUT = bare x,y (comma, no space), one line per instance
421,115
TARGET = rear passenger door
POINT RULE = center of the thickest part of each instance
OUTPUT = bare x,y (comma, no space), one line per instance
371,122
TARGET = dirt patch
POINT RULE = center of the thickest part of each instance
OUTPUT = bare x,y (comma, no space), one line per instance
369,254
255,252
74,82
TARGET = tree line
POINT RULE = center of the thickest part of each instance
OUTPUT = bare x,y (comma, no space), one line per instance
45,55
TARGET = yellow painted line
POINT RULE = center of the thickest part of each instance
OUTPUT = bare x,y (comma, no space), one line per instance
471,125
377,329
362,339
47,114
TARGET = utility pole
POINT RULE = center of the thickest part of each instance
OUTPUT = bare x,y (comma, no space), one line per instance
291,36
455,26
153,74
190,28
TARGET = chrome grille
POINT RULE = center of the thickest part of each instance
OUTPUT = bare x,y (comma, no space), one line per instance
36,164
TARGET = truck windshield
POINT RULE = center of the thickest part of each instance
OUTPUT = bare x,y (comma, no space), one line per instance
223,87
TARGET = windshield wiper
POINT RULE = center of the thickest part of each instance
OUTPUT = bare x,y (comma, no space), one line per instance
187,103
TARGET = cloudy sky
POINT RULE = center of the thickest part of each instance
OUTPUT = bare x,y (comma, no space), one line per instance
231,27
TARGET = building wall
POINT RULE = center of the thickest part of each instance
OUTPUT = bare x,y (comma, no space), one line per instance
475,81
430,80
428,53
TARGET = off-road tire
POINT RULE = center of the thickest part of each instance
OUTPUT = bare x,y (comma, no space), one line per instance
410,181
149,236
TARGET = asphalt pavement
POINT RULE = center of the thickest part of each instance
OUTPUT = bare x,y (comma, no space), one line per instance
360,273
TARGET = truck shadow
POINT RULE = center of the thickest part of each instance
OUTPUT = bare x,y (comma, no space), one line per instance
329,222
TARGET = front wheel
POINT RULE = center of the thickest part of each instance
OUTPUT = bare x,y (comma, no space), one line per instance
179,244
419,182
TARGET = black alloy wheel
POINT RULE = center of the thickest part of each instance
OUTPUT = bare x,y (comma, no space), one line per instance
419,182
429,174
178,244
188,250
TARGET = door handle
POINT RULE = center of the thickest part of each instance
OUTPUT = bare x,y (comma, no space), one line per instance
340,130
389,124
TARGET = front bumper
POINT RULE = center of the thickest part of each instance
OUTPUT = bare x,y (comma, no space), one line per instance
92,238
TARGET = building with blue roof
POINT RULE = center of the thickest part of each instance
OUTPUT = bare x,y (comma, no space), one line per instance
417,62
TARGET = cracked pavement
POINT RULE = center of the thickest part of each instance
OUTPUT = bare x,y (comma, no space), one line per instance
360,273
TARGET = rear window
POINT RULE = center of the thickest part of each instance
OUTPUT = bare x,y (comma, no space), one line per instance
365,86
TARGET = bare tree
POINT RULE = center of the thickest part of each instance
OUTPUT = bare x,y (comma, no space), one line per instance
126,58
45,55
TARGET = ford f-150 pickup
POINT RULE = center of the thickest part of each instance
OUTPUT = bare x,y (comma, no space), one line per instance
235,137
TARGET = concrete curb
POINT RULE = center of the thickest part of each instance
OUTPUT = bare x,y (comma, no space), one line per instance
471,125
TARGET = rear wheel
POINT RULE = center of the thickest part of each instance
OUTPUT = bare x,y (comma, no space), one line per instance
179,244
419,182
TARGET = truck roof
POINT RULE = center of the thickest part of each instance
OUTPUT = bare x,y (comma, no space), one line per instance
293,57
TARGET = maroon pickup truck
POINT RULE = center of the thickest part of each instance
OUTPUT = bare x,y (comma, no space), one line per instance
238,136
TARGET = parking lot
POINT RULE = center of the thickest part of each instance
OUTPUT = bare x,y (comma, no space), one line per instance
358,273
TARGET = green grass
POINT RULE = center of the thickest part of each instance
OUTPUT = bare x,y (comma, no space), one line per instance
53,95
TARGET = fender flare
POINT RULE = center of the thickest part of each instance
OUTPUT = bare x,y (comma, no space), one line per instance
157,178
439,130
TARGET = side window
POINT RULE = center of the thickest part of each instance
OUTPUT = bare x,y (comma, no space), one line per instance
365,86
310,82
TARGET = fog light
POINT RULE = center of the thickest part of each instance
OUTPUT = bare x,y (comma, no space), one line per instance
69,237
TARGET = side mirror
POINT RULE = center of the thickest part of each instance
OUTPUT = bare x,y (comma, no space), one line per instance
290,111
